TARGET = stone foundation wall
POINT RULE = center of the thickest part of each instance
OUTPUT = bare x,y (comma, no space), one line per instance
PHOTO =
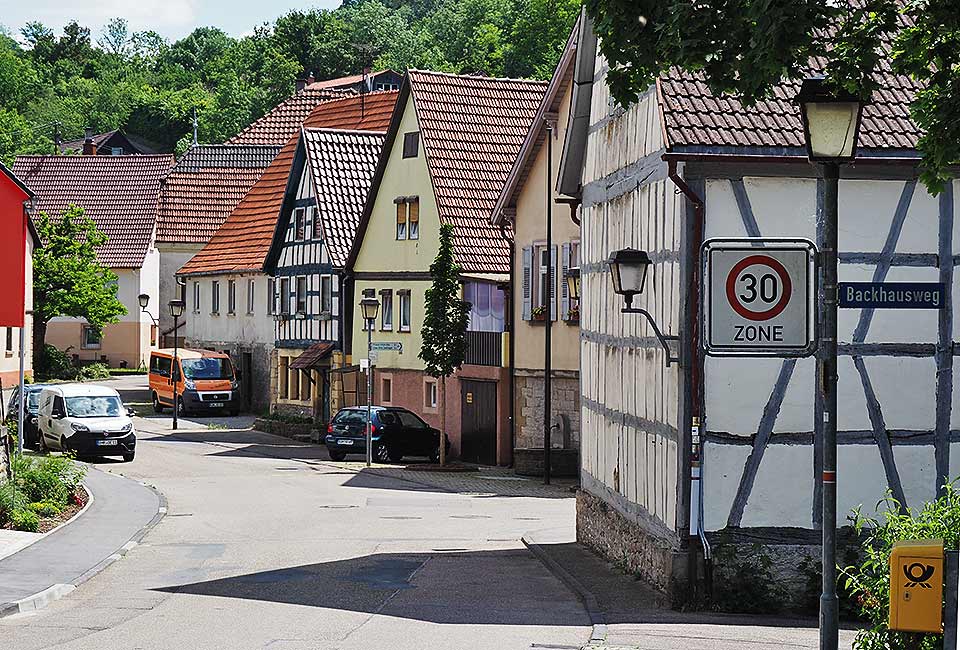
528,410
605,531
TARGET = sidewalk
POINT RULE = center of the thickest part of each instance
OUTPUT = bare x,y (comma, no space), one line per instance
121,512
629,615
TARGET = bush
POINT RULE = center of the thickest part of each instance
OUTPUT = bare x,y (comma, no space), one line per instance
25,520
870,582
56,364
45,508
11,500
93,371
47,478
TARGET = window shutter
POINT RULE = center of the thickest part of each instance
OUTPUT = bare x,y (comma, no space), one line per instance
527,272
553,282
414,210
564,267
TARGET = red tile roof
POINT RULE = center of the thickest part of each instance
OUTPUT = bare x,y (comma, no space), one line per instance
472,129
205,186
120,194
341,164
283,122
243,241
343,81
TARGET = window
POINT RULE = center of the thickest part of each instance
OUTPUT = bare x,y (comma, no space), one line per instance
574,255
90,338
385,86
271,296
161,365
302,294
386,309
326,294
282,374
543,283
182,290
9,347
231,296
404,297
250,295
413,216
196,297
317,230
299,224
386,389
215,297
429,394
285,296
401,217
411,144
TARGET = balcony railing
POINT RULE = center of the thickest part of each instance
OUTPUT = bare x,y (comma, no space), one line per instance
484,349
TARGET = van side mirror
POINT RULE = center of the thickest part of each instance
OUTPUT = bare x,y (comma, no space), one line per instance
130,412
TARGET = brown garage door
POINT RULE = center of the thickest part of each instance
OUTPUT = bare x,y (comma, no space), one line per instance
478,412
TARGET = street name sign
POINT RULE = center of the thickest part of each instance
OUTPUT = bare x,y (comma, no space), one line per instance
759,297
387,346
891,295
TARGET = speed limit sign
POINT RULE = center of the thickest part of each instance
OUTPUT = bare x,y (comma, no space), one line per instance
759,296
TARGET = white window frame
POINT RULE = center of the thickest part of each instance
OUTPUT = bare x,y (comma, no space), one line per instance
271,297
404,300
231,297
285,302
302,296
326,294
215,297
386,310
196,297
299,215
431,391
251,295
84,341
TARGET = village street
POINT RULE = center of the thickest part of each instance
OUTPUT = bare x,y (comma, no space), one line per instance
266,545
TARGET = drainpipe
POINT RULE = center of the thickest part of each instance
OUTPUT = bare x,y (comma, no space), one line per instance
511,383
694,379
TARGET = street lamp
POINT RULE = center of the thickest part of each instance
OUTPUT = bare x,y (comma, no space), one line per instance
831,126
628,270
144,300
369,306
176,311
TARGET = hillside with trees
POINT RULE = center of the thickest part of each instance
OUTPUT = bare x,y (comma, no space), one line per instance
60,83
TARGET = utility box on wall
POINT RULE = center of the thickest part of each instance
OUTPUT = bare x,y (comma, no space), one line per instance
916,586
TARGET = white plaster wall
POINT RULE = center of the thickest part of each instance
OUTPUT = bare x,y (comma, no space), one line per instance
172,259
240,328
737,390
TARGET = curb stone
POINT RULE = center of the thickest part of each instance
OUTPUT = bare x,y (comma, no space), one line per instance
43,598
597,619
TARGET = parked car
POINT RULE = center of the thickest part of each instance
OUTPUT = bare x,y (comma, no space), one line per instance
204,381
86,419
397,432
31,434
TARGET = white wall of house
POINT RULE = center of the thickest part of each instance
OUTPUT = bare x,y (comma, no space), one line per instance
172,258
203,324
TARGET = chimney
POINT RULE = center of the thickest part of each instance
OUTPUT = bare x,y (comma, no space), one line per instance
301,83
89,148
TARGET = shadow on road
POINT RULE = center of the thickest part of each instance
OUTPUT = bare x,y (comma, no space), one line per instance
502,587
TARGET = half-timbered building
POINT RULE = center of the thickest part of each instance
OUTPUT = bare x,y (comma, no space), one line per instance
680,166
329,179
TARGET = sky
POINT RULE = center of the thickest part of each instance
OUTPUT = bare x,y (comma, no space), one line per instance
172,19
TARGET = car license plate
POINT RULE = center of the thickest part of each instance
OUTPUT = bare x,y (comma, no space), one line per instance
106,443
344,442
216,405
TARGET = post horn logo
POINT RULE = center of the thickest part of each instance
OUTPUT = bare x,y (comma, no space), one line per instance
918,575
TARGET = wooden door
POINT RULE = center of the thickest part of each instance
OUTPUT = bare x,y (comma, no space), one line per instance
478,422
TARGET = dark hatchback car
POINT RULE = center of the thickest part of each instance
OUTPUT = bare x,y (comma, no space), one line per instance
397,432
31,432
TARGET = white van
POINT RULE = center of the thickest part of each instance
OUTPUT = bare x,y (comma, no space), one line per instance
86,419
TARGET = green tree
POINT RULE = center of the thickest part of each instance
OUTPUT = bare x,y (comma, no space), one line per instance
444,324
538,35
67,278
746,47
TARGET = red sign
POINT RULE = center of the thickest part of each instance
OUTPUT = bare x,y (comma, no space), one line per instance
758,287
13,250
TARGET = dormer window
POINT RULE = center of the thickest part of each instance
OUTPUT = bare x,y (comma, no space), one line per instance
411,144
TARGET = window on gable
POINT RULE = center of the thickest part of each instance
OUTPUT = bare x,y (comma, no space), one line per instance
317,231
326,294
285,296
401,217
215,297
302,294
411,144
413,216
231,296
299,224
386,309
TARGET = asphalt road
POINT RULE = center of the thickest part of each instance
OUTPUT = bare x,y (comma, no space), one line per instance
267,546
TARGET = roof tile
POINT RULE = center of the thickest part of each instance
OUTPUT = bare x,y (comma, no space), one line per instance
283,122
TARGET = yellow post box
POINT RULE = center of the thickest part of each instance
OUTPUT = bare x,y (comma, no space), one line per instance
916,586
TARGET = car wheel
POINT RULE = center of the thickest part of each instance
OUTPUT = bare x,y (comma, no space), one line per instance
157,406
382,453
63,444
395,456
128,457
337,456
43,444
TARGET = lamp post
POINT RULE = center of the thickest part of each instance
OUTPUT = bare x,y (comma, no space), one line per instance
831,126
370,306
548,321
144,300
176,311
628,270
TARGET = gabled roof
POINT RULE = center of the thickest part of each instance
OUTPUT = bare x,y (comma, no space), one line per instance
27,196
284,120
120,194
347,81
131,144
241,244
341,165
561,80
205,186
472,129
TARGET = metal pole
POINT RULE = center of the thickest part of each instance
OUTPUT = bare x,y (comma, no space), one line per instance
369,392
175,374
829,605
22,398
549,300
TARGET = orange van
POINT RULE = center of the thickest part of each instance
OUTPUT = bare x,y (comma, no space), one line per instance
204,381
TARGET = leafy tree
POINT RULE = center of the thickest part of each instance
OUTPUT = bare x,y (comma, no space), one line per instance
746,47
115,38
67,278
538,36
444,324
